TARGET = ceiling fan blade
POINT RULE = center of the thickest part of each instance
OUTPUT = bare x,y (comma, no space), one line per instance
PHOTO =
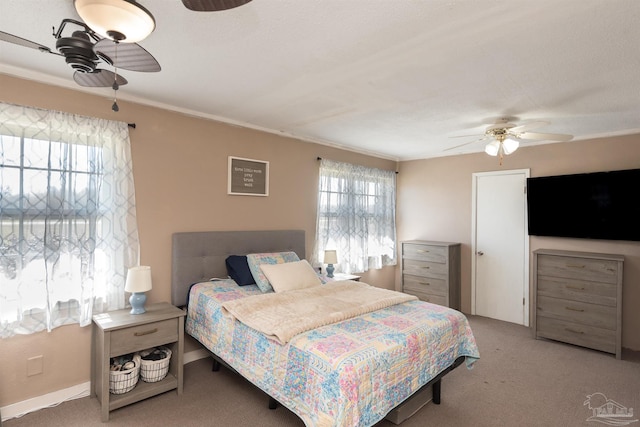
128,56
467,143
98,78
545,136
467,136
212,5
24,42
526,126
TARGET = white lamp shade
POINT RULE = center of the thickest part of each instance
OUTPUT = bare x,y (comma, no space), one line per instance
492,148
330,257
138,279
510,145
113,19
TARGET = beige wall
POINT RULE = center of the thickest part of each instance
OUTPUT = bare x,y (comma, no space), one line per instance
180,172
434,203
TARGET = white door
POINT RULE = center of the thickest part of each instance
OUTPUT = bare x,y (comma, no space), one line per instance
500,244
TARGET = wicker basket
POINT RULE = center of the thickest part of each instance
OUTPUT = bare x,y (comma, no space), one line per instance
121,382
155,370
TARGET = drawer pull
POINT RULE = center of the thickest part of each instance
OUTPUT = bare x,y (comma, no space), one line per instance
575,309
574,331
577,288
576,265
424,267
150,331
423,251
425,283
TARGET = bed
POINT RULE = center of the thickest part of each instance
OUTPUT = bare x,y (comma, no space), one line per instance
384,363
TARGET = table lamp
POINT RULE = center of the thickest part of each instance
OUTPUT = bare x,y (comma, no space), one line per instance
138,282
330,258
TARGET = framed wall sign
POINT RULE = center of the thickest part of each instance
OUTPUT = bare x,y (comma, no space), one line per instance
248,177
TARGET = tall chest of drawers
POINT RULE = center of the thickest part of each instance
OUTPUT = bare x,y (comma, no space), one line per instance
431,271
578,298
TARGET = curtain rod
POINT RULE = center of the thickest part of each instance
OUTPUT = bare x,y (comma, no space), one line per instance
320,158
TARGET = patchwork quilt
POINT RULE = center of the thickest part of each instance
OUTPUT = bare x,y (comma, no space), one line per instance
349,373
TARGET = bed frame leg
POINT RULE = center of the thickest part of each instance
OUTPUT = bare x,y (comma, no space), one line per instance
273,404
437,386
215,367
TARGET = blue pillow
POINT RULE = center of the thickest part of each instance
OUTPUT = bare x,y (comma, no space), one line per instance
238,270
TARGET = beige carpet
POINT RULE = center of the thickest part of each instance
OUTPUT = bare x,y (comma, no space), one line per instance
519,381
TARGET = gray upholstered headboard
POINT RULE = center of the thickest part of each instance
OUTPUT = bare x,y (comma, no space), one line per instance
199,256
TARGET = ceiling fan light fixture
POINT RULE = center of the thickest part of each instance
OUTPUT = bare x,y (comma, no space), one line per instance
492,148
120,20
510,145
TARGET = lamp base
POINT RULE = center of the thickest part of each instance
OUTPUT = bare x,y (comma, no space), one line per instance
330,270
137,300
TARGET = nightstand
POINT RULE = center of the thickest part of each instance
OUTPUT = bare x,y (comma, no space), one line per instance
118,332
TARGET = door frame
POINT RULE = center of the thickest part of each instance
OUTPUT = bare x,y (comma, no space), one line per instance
474,219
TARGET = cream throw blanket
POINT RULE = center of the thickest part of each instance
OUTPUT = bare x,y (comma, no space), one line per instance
283,315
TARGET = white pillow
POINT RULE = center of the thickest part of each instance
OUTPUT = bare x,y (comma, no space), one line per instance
290,275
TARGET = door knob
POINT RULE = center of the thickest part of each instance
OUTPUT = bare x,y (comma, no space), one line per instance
480,253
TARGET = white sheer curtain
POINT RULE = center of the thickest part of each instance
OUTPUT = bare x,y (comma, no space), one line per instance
67,216
356,216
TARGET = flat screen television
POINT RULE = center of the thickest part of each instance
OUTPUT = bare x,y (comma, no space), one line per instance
598,205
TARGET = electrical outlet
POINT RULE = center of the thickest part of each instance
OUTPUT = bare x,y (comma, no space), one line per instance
34,365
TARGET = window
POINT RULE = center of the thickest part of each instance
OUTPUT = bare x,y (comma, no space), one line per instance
67,218
356,216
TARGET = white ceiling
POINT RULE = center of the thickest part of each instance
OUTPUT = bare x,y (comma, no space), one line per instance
392,78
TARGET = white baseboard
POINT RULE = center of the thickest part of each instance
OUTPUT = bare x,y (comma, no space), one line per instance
16,410
48,400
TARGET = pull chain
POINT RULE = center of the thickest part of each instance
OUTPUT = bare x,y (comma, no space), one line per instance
115,86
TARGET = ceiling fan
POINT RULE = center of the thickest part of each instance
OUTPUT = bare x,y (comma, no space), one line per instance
504,137
84,50
109,35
